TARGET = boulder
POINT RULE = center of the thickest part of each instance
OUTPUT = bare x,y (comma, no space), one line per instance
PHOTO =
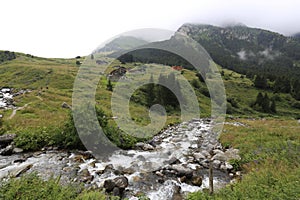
220,156
144,146
116,191
205,153
197,180
182,171
17,150
109,185
108,168
228,166
121,182
232,154
205,163
148,147
199,156
7,151
216,164
7,139
65,105
85,176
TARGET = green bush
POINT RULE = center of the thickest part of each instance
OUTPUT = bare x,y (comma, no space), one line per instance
64,137
32,187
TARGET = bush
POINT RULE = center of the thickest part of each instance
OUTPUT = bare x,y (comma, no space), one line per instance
64,137
296,104
32,187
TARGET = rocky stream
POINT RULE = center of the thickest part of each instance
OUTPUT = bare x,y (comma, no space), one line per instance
173,163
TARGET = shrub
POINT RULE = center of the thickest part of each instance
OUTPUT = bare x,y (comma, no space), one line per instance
32,187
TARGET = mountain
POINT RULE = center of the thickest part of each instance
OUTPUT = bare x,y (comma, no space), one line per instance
297,36
122,43
248,50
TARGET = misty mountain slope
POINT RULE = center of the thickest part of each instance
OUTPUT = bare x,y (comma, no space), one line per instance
122,43
248,50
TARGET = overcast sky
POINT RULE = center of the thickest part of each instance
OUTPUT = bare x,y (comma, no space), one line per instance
67,28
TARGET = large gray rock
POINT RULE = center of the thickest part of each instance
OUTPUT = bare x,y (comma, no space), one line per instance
7,151
182,171
7,139
220,156
65,105
199,156
121,182
232,154
144,146
17,150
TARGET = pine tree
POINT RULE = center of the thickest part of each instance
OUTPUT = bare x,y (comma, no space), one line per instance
260,82
266,103
273,106
282,84
259,99
150,92
296,90
109,86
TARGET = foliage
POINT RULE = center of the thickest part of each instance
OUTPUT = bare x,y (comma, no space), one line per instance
270,161
32,187
224,44
109,86
260,82
6,56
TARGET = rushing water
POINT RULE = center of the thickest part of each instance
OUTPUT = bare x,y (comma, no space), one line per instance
152,172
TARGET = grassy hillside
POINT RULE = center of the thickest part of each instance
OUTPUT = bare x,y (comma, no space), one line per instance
270,160
51,84
269,143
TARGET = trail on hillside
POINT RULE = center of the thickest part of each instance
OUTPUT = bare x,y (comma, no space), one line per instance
14,112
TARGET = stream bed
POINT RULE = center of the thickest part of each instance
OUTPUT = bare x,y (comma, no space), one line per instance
172,164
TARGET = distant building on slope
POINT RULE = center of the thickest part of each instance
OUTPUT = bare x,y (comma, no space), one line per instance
178,68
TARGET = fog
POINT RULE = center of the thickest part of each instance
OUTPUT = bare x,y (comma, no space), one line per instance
70,28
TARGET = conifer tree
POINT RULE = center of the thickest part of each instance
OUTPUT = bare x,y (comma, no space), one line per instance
109,86
273,106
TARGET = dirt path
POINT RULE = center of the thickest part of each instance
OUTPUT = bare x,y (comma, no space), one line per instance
15,111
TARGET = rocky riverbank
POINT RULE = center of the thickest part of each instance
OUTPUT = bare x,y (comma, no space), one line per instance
167,167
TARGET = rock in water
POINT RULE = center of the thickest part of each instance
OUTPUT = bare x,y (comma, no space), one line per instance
121,182
197,180
7,151
109,185
17,150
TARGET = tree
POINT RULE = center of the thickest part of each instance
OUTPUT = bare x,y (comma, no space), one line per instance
259,99
266,103
109,86
296,90
92,56
282,85
273,106
150,92
260,82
